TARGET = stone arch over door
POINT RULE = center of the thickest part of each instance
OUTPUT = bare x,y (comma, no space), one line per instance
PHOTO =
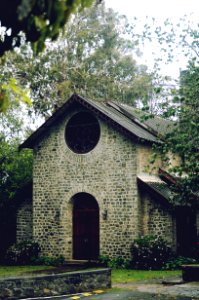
85,219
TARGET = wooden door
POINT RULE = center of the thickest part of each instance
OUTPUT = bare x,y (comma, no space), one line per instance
186,230
85,228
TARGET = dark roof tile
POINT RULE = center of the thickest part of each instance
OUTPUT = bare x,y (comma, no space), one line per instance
123,117
156,185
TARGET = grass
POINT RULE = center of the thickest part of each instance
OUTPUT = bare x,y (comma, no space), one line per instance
7,271
118,276
125,276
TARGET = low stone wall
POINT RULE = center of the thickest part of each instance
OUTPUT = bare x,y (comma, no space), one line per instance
56,284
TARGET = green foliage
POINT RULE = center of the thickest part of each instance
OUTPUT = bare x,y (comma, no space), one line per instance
15,169
15,172
183,141
38,19
9,90
176,262
94,57
180,104
49,260
22,253
104,260
116,263
119,263
149,253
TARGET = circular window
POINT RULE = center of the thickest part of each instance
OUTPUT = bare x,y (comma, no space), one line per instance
82,132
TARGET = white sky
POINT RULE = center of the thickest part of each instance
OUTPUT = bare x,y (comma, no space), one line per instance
160,10
155,8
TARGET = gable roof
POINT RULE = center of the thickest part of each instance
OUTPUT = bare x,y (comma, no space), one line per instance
122,118
155,124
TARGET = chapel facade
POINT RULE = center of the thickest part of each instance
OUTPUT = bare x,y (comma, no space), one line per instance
94,190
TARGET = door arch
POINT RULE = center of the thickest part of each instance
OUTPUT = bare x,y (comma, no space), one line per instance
85,227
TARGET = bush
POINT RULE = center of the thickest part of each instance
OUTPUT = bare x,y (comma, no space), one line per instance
115,263
119,263
22,253
104,260
150,253
176,262
49,260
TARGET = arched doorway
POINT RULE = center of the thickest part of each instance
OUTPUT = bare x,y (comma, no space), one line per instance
85,227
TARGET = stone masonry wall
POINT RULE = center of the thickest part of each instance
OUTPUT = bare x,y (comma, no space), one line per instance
144,155
154,219
24,221
108,173
55,284
144,165
157,220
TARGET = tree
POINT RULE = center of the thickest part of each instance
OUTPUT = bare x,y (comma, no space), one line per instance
38,19
11,93
184,139
178,41
15,172
15,168
93,57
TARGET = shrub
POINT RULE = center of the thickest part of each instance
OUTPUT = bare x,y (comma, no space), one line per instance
49,260
115,263
150,253
22,253
104,260
119,263
176,262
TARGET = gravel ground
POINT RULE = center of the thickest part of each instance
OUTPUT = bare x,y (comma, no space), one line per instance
174,289
190,289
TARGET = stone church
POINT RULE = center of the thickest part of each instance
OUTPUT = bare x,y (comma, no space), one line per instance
94,190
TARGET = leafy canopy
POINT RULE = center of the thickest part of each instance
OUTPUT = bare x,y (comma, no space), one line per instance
183,106
184,140
15,169
38,19
94,56
15,172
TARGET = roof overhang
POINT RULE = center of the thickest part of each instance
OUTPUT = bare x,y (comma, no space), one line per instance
122,124
156,187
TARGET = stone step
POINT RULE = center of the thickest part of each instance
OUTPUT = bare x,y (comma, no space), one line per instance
75,262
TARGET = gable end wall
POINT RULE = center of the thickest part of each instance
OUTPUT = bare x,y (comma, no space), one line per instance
108,173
